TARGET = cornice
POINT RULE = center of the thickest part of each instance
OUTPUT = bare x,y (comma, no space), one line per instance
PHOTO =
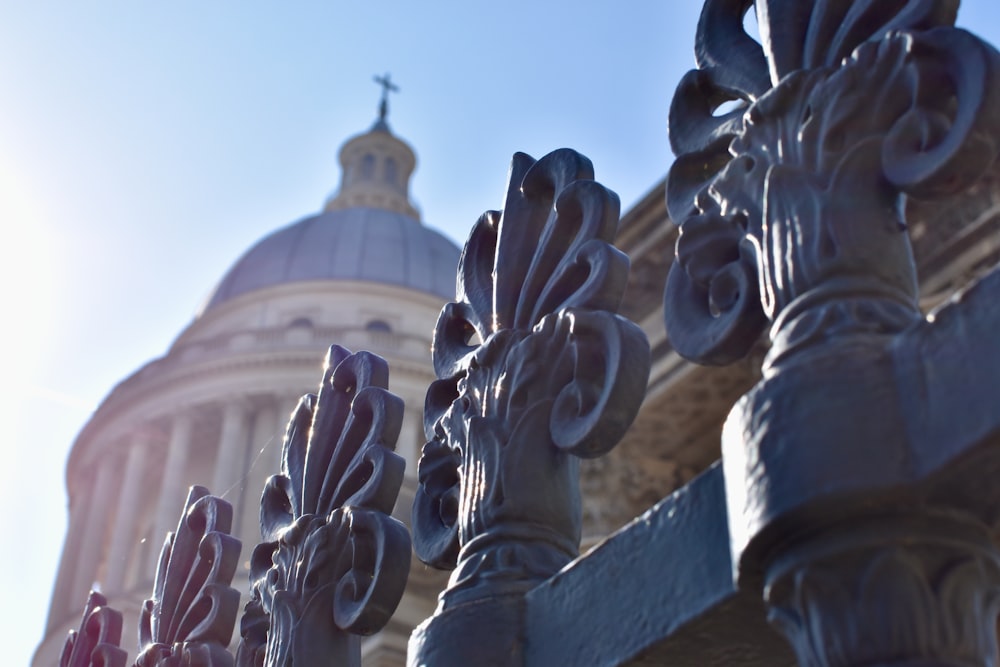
166,375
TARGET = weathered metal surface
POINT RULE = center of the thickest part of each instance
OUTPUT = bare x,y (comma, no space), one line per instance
798,186
190,617
535,370
854,509
96,642
659,591
790,210
333,563
662,591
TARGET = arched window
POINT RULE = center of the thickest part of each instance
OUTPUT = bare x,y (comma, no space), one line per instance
301,323
378,325
390,171
368,167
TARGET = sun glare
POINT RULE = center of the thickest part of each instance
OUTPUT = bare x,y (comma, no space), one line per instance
29,275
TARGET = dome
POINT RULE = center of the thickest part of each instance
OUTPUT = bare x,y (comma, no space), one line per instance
369,229
363,272
369,244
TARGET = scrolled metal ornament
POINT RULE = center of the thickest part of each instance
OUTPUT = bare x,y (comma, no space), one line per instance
889,587
334,563
791,216
96,642
534,372
190,617
793,196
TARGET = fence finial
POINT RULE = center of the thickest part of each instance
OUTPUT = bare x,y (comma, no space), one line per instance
191,615
534,371
96,642
334,563
790,215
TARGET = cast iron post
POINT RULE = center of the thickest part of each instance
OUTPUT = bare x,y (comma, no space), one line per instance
96,642
535,370
790,215
189,618
334,563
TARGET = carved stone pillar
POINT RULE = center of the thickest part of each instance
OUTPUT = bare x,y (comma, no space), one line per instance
62,603
124,538
265,450
98,503
231,455
847,507
535,371
172,491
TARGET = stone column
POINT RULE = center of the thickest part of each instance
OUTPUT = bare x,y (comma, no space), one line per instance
172,488
96,506
62,605
230,459
265,450
124,537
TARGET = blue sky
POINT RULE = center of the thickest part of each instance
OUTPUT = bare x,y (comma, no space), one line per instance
144,146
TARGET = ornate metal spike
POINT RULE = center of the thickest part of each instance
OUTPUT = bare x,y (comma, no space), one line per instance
334,563
191,616
792,198
535,370
96,642
790,215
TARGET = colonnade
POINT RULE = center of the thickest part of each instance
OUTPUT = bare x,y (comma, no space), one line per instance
132,493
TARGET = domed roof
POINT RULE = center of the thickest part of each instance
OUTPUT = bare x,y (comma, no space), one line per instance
369,230
371,244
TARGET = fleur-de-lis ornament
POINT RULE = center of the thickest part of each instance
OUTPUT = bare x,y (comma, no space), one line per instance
790,208
334,563
190,618
535,370
789,203
96,642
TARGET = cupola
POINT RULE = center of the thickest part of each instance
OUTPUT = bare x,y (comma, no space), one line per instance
376,167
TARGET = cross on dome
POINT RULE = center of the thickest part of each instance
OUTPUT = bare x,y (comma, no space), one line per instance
376,166
387,87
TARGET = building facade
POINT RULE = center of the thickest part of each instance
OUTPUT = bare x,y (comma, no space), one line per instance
365,273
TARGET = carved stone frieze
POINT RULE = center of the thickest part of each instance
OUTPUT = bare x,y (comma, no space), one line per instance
675,437
535,372
334,563
617,488
955,239
647,236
